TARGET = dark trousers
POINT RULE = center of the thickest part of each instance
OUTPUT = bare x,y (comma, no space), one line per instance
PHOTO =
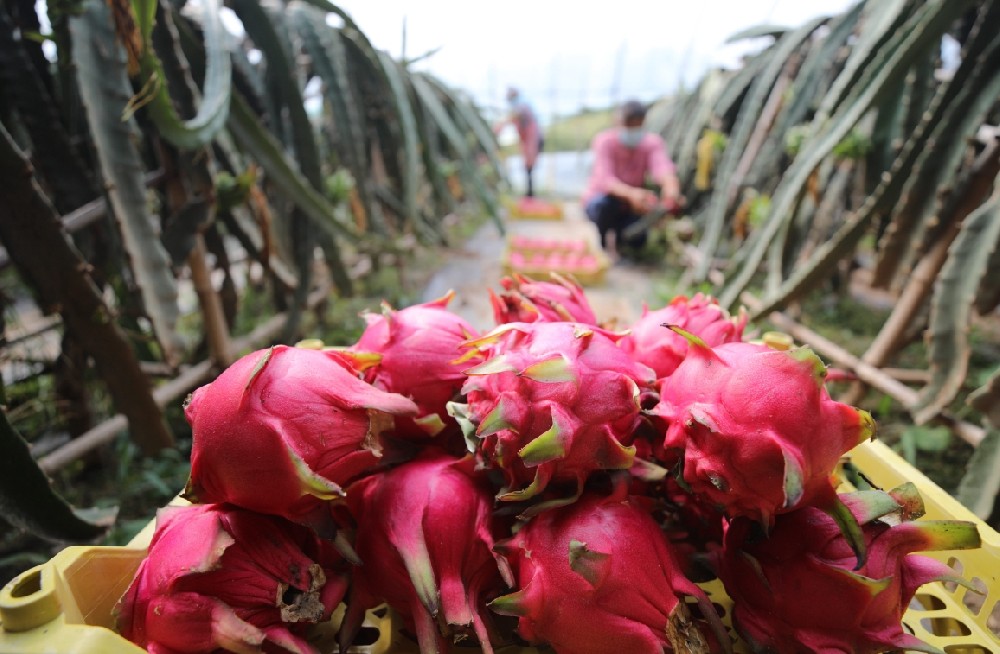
612,214
529,170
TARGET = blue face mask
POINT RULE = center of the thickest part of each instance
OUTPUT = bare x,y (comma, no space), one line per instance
630,137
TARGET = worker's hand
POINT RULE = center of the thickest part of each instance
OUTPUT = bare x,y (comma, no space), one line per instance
641,200
672,201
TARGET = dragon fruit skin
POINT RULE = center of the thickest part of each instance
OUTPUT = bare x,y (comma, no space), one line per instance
297,419
526,300
663,349
759,432
222,577
425,535
554,401
797,590
598,576
419,357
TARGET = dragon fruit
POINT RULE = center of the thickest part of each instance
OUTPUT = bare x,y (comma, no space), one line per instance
296,418
219,577
419,357
759,432
798,590
598,576
526,300
651,342
554,401
425,535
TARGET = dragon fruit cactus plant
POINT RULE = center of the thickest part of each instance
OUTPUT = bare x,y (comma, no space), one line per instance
760,434
425,534
294,417
526,300
220,577
799,590
598,576
416,353
652,342
554,401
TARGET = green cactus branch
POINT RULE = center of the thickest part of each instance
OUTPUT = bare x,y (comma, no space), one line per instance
202,128
986,399
729,177
937,163
951,307
921,31
33,235
105,91
27,500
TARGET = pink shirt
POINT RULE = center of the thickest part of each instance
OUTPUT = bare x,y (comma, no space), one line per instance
614,161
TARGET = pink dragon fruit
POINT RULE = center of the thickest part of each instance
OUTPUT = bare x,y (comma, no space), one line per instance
220,577
419,357
597,576
525,300
425,535
799,590
555,401
759,432
295,419
651,342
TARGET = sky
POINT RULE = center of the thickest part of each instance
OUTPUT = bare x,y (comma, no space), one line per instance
564,56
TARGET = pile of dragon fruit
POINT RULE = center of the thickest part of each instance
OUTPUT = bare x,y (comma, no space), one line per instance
550,483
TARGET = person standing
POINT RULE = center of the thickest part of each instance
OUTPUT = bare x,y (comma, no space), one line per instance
626,159
529,133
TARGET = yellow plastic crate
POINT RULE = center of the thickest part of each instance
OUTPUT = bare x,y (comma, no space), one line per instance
534,210
591,277
64,606
586,278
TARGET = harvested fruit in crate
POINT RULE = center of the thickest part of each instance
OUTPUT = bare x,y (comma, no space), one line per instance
536,208
540,256
548,483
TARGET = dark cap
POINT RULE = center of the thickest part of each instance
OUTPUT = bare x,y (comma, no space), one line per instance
633,111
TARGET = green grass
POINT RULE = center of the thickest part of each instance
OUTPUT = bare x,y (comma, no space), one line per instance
574,133
571,133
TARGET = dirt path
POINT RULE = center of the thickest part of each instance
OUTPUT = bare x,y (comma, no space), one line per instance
477,266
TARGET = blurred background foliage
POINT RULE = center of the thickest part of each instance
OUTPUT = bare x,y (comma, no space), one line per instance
175,196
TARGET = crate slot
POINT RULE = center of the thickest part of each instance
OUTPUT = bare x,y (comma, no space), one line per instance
925,602
27,585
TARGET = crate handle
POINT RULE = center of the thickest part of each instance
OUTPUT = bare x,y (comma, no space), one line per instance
29,600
